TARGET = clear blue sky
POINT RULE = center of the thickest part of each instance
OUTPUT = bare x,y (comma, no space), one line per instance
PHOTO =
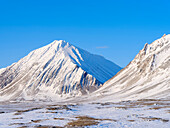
115,29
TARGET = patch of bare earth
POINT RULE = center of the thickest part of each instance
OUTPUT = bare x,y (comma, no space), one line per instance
131,120
153,119
150,103
58,118
38,121
17,118
20,124
41,126
27,110
83,121
61,107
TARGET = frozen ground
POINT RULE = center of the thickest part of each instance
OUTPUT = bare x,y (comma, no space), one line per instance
128,114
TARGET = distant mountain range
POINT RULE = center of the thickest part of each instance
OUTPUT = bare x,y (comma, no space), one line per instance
56,71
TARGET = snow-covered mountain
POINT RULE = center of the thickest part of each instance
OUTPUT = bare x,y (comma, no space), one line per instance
147,76
58,69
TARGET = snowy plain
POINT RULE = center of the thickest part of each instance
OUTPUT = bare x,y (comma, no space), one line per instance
148,113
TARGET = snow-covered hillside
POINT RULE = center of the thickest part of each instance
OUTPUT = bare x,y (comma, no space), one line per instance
58,69
147,76
138,96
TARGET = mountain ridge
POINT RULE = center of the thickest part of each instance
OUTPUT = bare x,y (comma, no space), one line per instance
146,76
58,68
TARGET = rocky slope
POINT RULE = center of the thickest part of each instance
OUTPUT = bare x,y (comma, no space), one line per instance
147,76
54,71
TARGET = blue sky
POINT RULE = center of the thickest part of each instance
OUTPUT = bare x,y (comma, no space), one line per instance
114,29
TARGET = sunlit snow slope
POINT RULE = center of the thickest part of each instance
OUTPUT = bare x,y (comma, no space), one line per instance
58,69
147,76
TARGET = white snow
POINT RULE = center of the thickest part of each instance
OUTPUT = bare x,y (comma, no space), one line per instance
2,70
147,76
138,96
129,114
55,71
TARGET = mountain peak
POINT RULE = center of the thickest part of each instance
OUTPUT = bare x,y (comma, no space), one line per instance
147,76
58,69
59,43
